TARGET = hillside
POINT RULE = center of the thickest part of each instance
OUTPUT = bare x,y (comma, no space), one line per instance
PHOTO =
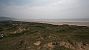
6,18
17,35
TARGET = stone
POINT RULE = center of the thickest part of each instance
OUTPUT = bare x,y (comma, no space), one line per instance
37,43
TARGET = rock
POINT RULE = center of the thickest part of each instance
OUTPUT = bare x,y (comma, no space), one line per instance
37,43
29,47
1,35
50,45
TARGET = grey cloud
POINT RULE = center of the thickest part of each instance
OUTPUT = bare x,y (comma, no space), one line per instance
48,9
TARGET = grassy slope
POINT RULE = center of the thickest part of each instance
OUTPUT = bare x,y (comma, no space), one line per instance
28,32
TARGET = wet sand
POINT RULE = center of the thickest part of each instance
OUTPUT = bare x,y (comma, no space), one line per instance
80,22
70,23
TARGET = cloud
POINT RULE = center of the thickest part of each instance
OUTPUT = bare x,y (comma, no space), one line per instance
46,9
15,2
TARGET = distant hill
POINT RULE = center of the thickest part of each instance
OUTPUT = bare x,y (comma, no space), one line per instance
6,18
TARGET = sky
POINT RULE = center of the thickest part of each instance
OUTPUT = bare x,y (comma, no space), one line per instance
44,9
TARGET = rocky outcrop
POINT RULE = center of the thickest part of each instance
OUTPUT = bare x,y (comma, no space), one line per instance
75,45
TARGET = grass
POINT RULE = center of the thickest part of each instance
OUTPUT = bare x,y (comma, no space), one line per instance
40,31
